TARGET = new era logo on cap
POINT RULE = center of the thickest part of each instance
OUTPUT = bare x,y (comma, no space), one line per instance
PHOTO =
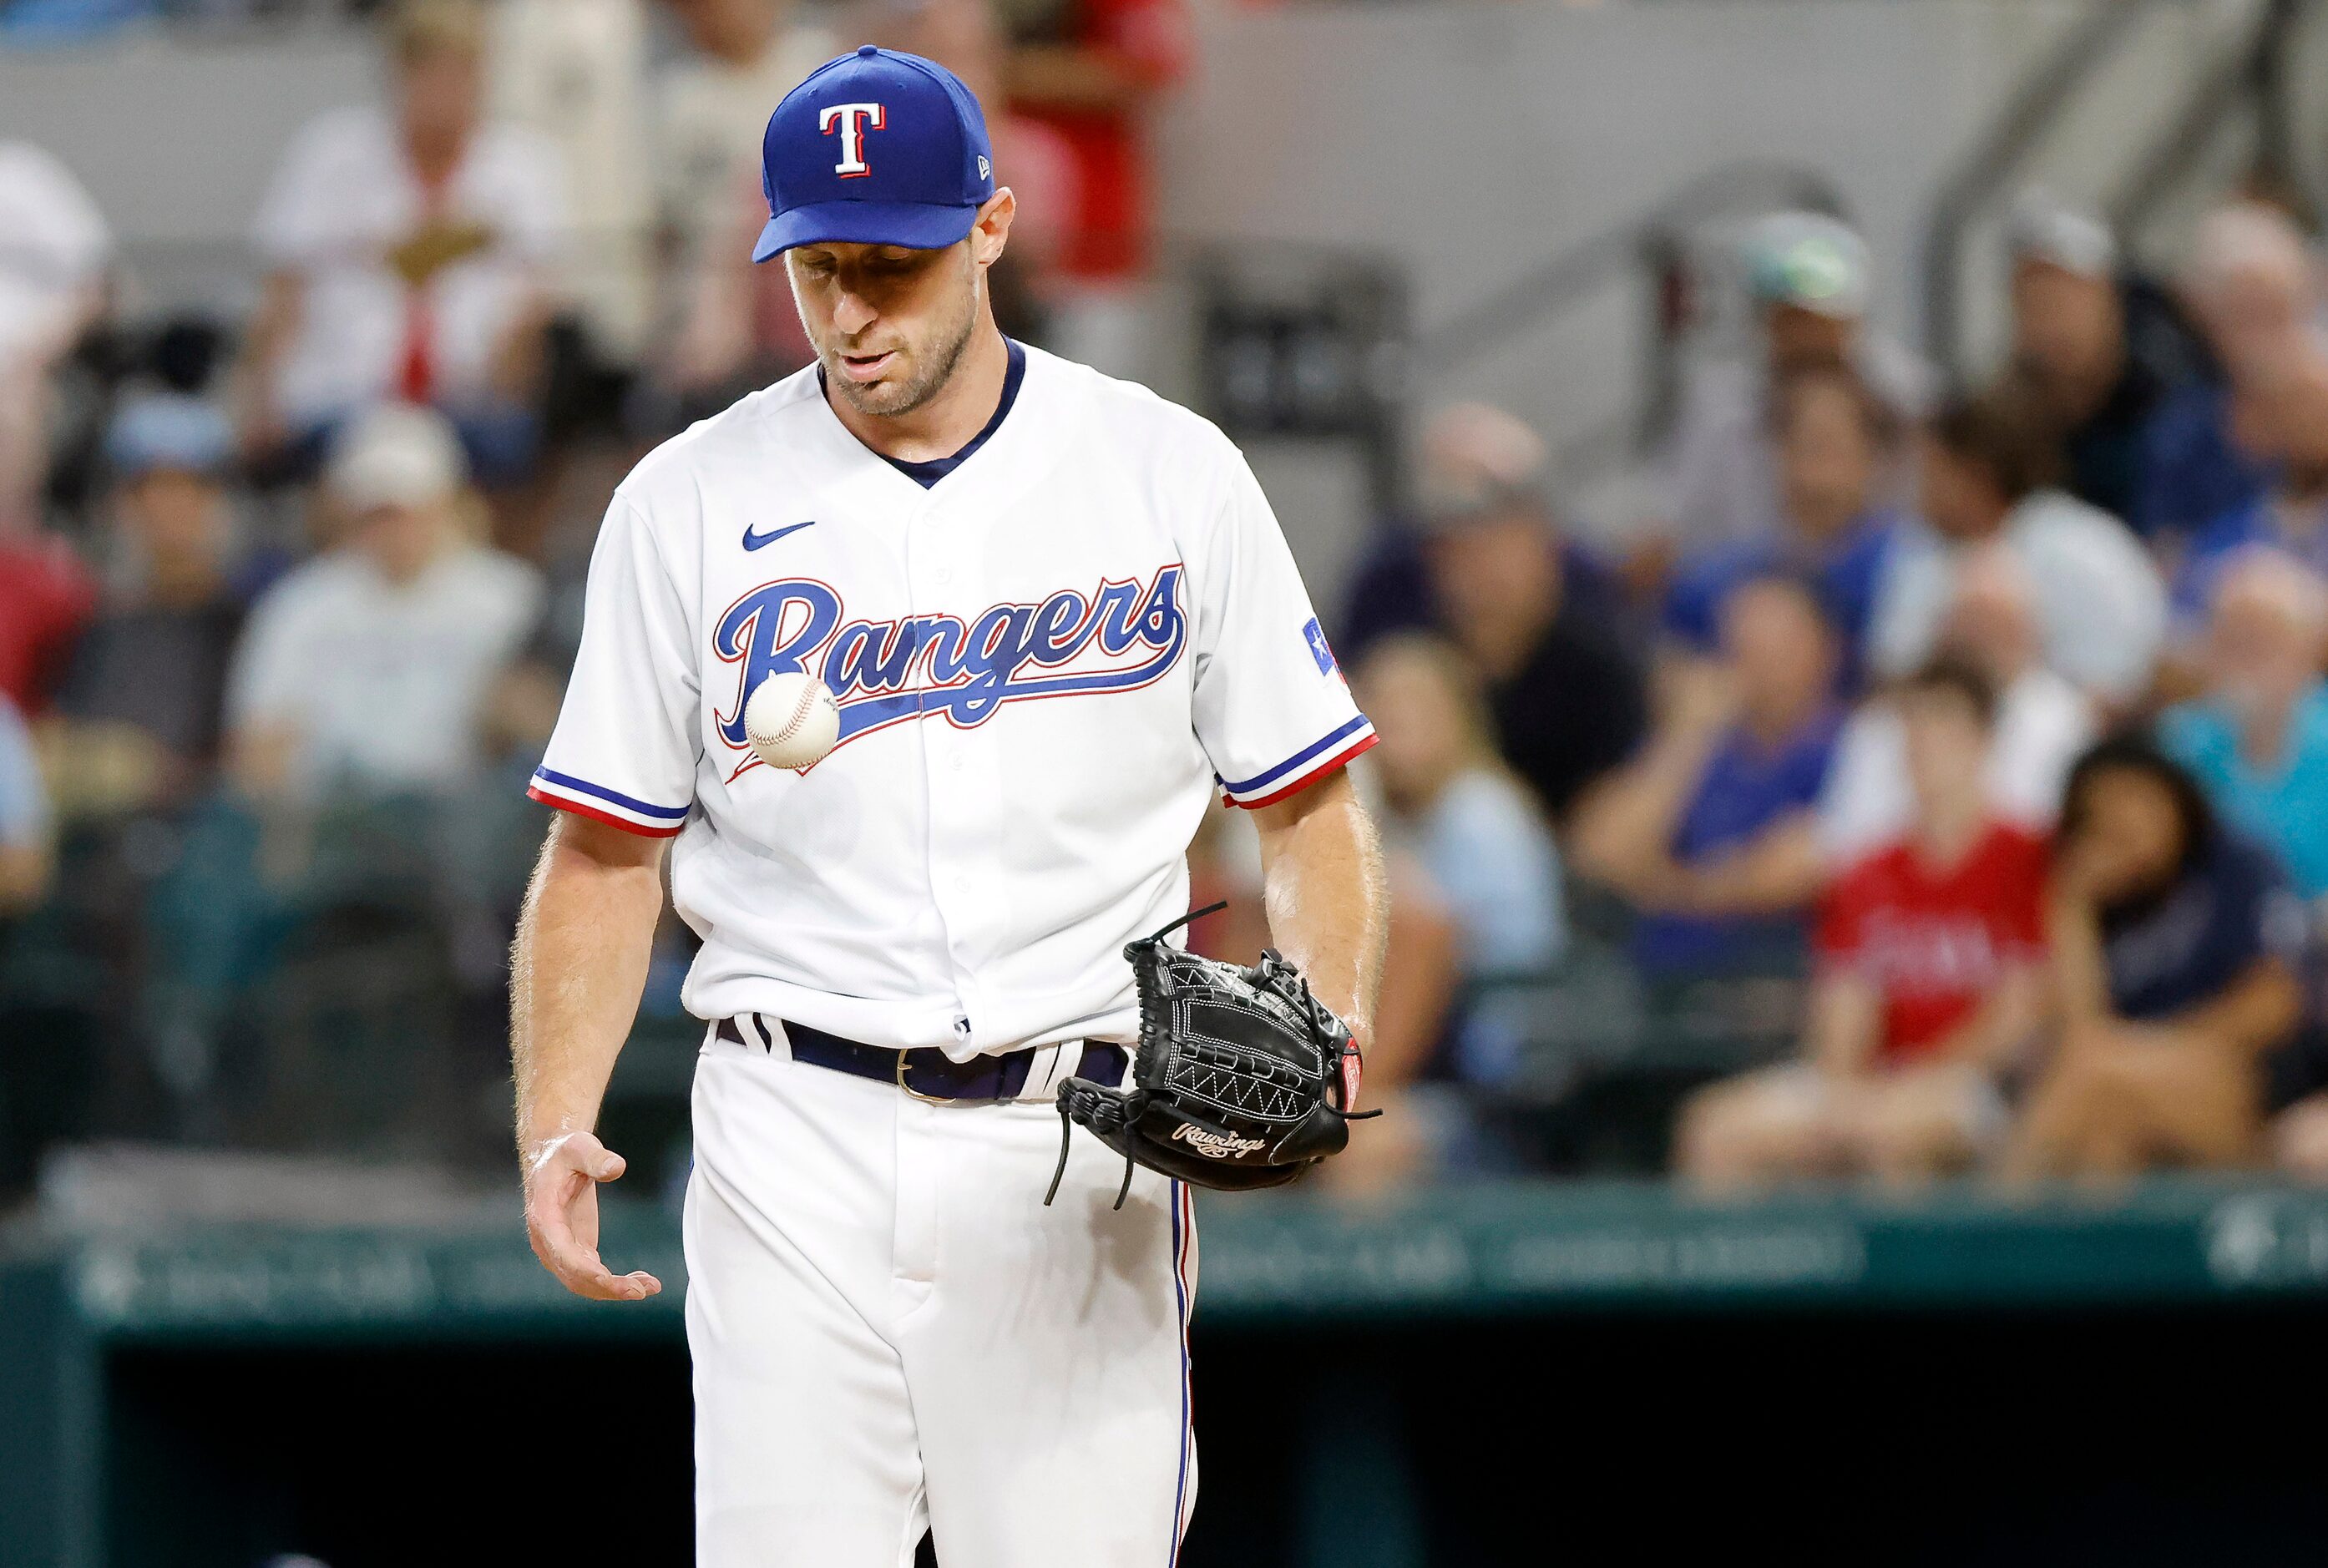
875,148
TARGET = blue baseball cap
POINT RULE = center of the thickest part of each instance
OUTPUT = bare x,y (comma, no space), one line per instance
875,148
168,431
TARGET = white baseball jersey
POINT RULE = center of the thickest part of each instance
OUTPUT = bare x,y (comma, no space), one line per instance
1045,663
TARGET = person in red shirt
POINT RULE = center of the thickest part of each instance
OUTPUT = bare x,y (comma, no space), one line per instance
1090,69
1929,973
1084,79
46,599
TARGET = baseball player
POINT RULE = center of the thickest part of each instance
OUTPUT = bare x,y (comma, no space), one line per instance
1057,616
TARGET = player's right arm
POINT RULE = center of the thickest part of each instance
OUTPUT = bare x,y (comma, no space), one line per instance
575,978
620,769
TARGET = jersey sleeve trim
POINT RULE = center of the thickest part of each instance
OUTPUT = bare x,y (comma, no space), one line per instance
586,799
1304,768
595,815
1262,780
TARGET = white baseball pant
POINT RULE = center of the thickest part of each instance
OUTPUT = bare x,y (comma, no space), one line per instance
891,1333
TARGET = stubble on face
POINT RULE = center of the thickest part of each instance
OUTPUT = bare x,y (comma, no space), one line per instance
931,364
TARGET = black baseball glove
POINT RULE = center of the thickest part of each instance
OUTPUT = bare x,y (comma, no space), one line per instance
1243,1079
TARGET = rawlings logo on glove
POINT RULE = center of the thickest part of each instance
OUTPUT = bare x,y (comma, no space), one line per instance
1243,1079
1215,1145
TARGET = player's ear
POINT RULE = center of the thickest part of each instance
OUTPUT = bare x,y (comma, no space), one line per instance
992,231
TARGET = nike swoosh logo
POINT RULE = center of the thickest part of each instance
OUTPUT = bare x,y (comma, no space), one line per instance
754,540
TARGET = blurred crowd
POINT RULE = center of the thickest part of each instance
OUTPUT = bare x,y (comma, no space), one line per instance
1935,781
288,590
1980,726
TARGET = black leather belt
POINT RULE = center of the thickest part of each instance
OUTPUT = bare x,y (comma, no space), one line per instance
926,1072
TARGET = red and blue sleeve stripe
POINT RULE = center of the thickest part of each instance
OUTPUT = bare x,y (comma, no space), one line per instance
601,804
1303,769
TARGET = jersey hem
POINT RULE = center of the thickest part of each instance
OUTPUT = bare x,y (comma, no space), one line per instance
1342,758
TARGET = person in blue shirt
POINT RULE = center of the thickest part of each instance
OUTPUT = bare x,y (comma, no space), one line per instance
2192,469
2257,740
2104,347
1474,838
2175,947
1836,444
1477,461
25,858
1705,833
1453,802
2254,291
2287,405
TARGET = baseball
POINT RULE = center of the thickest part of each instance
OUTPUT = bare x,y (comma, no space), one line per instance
791,719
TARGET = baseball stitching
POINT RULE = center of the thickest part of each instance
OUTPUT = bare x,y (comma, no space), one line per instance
800,716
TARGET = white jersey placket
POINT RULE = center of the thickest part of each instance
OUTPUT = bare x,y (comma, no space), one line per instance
940,576
939,581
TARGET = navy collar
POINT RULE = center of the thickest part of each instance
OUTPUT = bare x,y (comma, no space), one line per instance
927,474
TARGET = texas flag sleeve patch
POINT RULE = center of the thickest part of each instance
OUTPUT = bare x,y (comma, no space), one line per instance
1319,649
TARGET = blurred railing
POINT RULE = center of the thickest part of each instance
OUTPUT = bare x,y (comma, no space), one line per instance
1658,245
331,980
2250,75
1994,163
1316,343
2253,76
322,979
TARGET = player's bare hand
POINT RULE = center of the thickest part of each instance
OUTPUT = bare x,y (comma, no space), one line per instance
561,1217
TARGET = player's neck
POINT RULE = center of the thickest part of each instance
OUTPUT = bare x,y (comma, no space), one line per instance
949,421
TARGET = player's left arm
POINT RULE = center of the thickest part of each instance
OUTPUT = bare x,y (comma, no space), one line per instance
1326,895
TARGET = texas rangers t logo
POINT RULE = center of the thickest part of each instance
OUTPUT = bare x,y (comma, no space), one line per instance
853,120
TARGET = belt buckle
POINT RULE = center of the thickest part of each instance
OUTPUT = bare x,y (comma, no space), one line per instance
912,1093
